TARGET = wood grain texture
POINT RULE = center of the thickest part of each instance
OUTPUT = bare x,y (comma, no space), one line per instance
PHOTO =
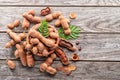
89,19
85,71
94,47
62,2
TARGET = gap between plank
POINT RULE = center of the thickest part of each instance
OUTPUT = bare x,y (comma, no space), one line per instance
73,61
60,5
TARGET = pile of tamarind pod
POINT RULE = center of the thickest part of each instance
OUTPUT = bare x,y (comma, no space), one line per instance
32,43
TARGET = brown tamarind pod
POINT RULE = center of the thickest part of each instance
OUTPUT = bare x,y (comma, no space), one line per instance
14,24
56,14
64,24
51,70
49,17
32,12
49,61
67,31
45,11
43,67
40,47
53,35
11,64
61,17
34,50
34,41
45,52
53,56
67,44
30,60
36,34
10,43
13,35
33,19
61,54
57,23
22,36
25,24
22,54
16,54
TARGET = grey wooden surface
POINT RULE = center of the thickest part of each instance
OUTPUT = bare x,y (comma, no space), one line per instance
99,39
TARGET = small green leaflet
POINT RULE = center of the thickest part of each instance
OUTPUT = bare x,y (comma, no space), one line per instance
74,33
43,29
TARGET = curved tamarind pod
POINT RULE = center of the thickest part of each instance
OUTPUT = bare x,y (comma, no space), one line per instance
51,70
12,42
46,41
13,35
66,44
25,24
33,19
16,54
34,50
34,41
22,54
43,67
61,54
11,64
14,24
30,60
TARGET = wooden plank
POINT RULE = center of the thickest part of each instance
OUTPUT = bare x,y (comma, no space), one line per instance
94,47
85,71
89,19
62,2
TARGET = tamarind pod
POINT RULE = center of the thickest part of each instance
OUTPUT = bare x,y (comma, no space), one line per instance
53,35
30,60
45,52
49,61
14,24
50,30
13,35
43,67
16,54
10,43
39,54
46,41
40,46
22,36
11,64
34,50
34,41
61,54
51,70
36,19
53,56
64,24
22,54
25,24
61,17
32,12
31,18
49,17
67,44
67,31
57,23
56,14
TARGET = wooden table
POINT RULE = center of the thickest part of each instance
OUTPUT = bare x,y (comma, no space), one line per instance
99,21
